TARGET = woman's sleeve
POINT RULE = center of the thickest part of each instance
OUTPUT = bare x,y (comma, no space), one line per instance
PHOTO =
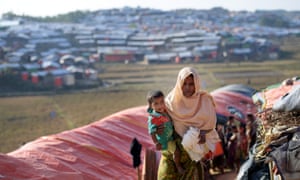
211,116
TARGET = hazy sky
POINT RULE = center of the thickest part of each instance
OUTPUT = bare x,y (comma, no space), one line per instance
54,7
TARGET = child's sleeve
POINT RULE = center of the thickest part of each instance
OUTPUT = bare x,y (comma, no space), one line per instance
151,126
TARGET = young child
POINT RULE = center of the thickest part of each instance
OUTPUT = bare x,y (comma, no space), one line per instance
158,117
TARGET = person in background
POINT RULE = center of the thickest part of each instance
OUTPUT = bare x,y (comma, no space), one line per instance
243,143
231,121
233,151
228,127
219,161
251,129
188,106
158,116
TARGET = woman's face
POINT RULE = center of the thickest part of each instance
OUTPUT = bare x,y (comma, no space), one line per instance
188,87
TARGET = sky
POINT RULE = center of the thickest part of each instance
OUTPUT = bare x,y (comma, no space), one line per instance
55,7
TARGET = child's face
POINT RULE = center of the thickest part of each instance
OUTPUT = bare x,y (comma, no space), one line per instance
158,104
241,129
235,130
220,127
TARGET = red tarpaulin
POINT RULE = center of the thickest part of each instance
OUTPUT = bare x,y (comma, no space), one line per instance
100,150
233,104
272,95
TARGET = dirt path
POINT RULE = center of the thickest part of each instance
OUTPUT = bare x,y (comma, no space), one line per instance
226,176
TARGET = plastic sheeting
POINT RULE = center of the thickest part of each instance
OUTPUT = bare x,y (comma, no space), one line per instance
290,101
100,150
233,104
271,95
238,88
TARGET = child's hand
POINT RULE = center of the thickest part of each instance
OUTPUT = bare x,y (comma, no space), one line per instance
158,146
160,129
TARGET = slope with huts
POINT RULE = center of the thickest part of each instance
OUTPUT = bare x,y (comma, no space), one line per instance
133,35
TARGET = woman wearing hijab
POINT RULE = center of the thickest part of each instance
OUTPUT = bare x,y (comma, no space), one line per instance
188,106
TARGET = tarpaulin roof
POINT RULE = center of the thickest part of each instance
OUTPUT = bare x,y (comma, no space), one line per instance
273,93
234,100
100,150
238,88
235,104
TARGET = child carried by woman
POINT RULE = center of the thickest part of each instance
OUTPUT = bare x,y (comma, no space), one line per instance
157,118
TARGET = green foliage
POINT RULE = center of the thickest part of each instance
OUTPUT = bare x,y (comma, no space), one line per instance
9,15
274,20
71,17
286,54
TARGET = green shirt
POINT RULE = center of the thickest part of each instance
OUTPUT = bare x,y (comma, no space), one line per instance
154,120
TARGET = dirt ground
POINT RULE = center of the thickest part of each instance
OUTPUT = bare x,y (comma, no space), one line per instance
226,176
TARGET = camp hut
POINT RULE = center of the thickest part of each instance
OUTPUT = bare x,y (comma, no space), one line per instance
62,78
186,56
25,76
160,58
156,42
240,54
206,52
152,58
50,65
81,62
84,77
38,79
167,57
31,67
118,56
51,56
69,80
115,39
66,60
12,68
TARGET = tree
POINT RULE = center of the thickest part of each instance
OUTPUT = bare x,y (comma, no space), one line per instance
274,20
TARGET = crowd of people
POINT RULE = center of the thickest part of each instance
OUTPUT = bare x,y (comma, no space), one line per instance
237,139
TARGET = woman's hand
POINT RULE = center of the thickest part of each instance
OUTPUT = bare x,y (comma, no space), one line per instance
160,129
202,138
